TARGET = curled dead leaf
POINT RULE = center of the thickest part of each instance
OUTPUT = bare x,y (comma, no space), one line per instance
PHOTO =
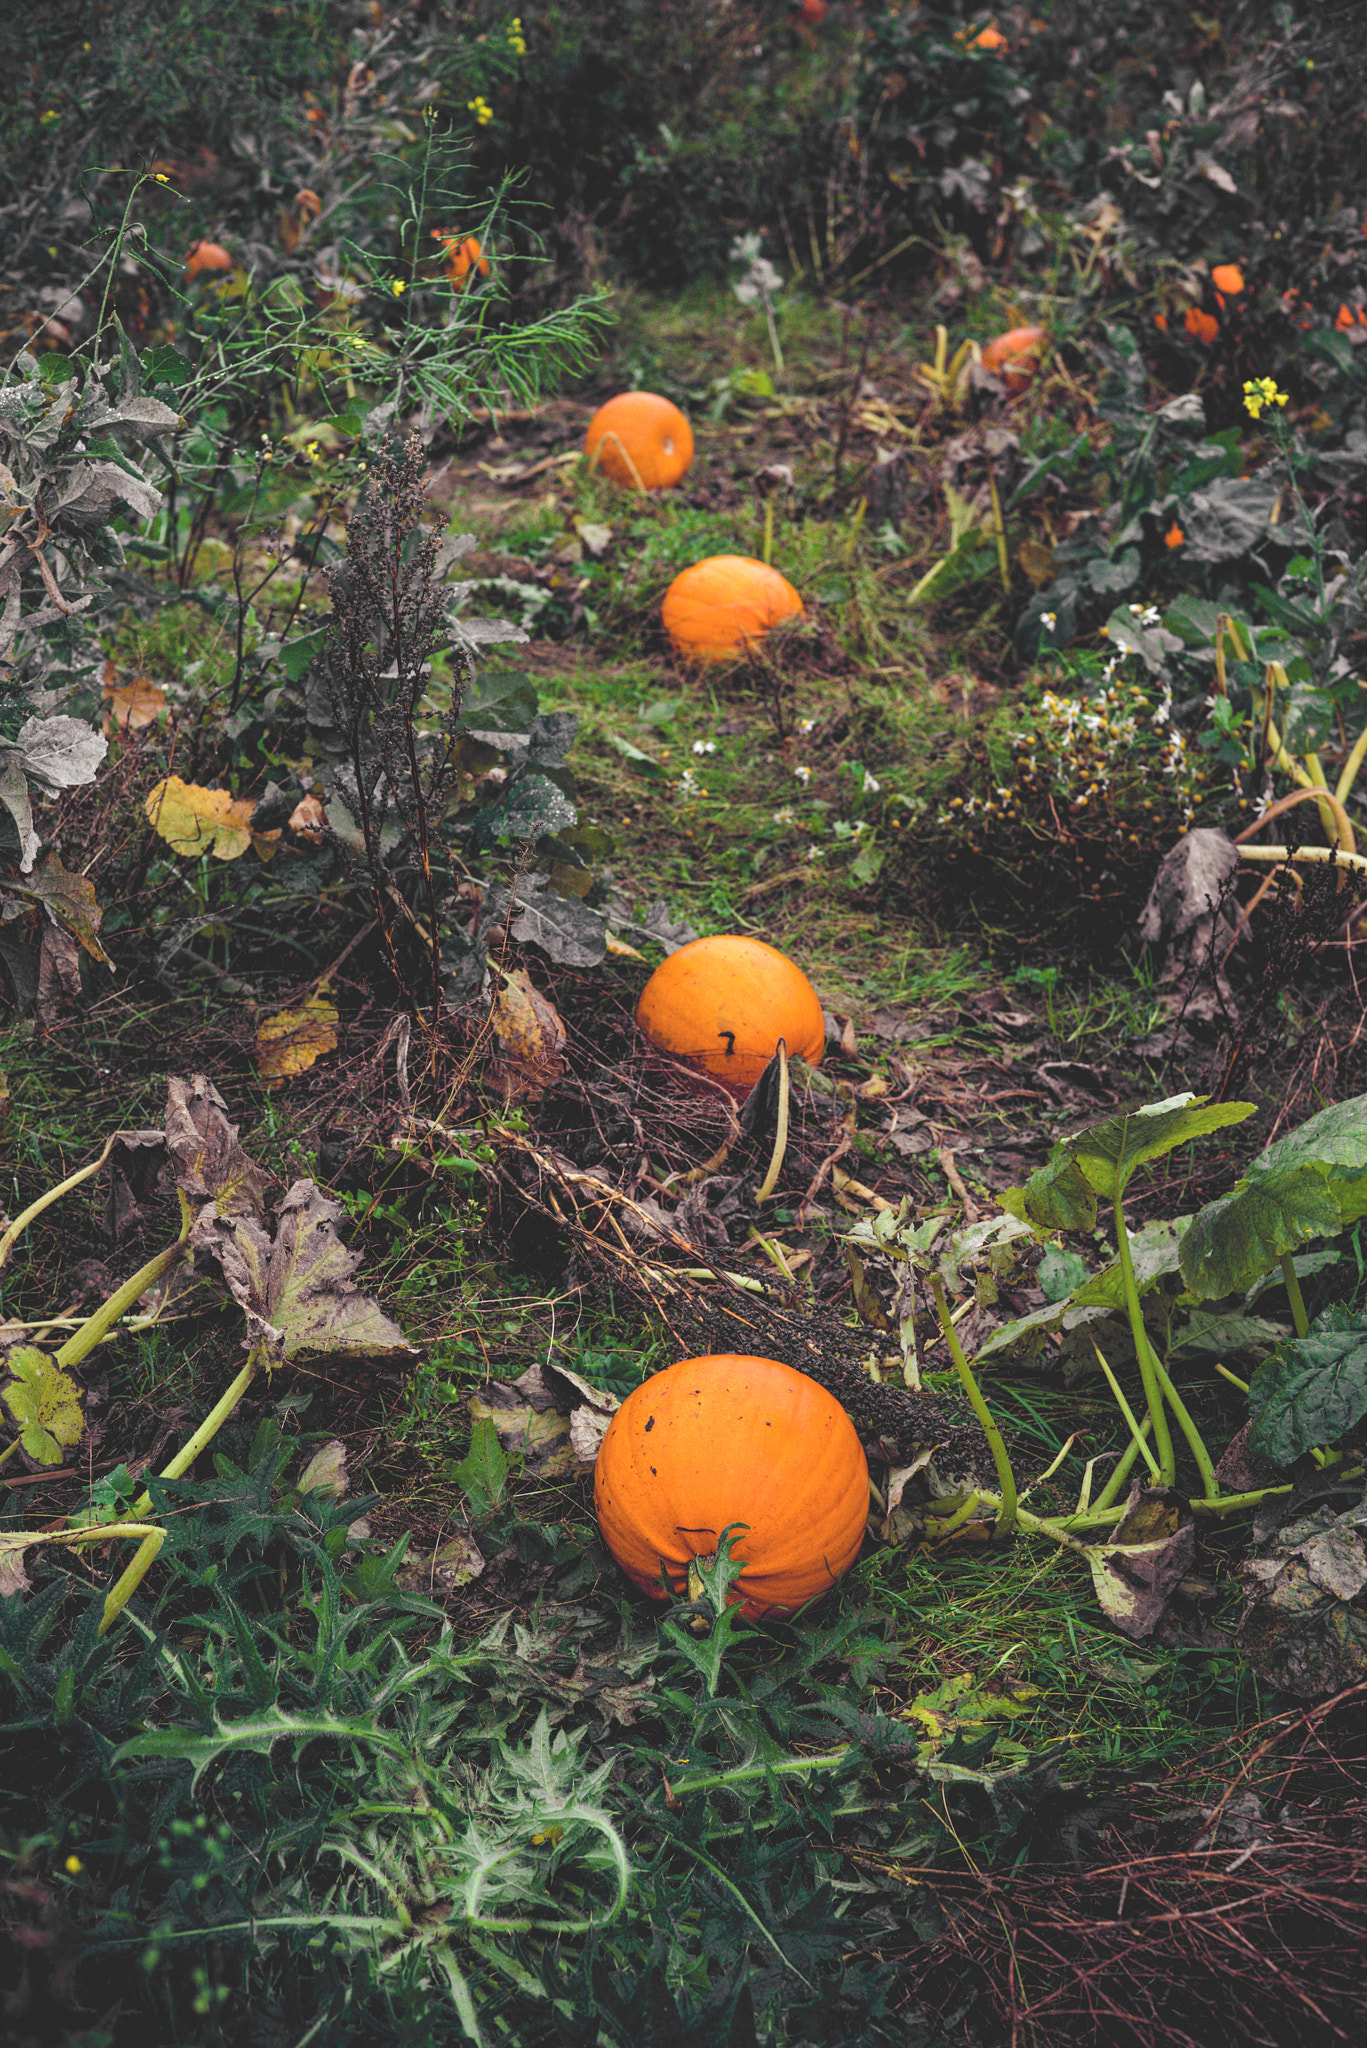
530,1037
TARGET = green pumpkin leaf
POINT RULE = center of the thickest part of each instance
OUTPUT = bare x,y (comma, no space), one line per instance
1056,1197
1313,1391
1100,1160
1311,1183
45,1403
1109,1153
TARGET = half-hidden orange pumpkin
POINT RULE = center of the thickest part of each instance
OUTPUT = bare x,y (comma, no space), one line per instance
207,256
722,1005
715,1441
1014,356
722,607
640,440
465,261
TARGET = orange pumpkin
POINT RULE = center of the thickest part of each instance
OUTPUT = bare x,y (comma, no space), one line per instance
723,1004
722,607
207,256
640,440
715,1441
465,261
1014,357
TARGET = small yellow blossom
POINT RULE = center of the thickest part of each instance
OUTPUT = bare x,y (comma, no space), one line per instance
398,287
481,110
1259,394
73,1866
161,177
516,40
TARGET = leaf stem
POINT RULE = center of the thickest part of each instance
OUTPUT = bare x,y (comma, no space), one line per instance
205,1434
1126,1411
1005,1477
1294,1296
96,1327
1189,1430
1144,1351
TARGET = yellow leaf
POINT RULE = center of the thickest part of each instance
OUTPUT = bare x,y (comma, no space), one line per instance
289,1043
195,820
1037,562
620,950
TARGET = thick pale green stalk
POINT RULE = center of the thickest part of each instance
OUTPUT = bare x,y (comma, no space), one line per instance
1294,1296
45,1201
1005,1477
1126,1411
83,1341
1144,1351
143,1559
205,1434
1189,1430
1110,1491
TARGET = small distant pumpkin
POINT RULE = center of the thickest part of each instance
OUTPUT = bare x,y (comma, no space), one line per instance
207,256
465,261
722,1004
722,607
1014,357
990,38
640,440
711,1442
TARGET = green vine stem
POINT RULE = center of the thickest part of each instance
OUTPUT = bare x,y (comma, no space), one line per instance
207,1431
1126,1410
1294,1296
95,1328
152,1537
45,1201
1006,1518
1144,1351
1189,1430
1110,1492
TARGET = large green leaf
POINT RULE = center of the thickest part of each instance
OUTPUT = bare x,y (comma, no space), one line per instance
1313,1391
1100,1160
1056,1197
1109,1153
1311,1183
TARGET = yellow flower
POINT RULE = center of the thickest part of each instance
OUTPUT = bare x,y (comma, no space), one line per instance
1259,394
398,287
161,177
481,110
73,1866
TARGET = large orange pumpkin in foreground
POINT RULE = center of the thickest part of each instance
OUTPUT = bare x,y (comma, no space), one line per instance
714,1441
722,607
640,440
723,1004
1014,357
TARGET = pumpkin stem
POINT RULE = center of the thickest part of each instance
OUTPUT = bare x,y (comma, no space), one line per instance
622,450
770,1181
